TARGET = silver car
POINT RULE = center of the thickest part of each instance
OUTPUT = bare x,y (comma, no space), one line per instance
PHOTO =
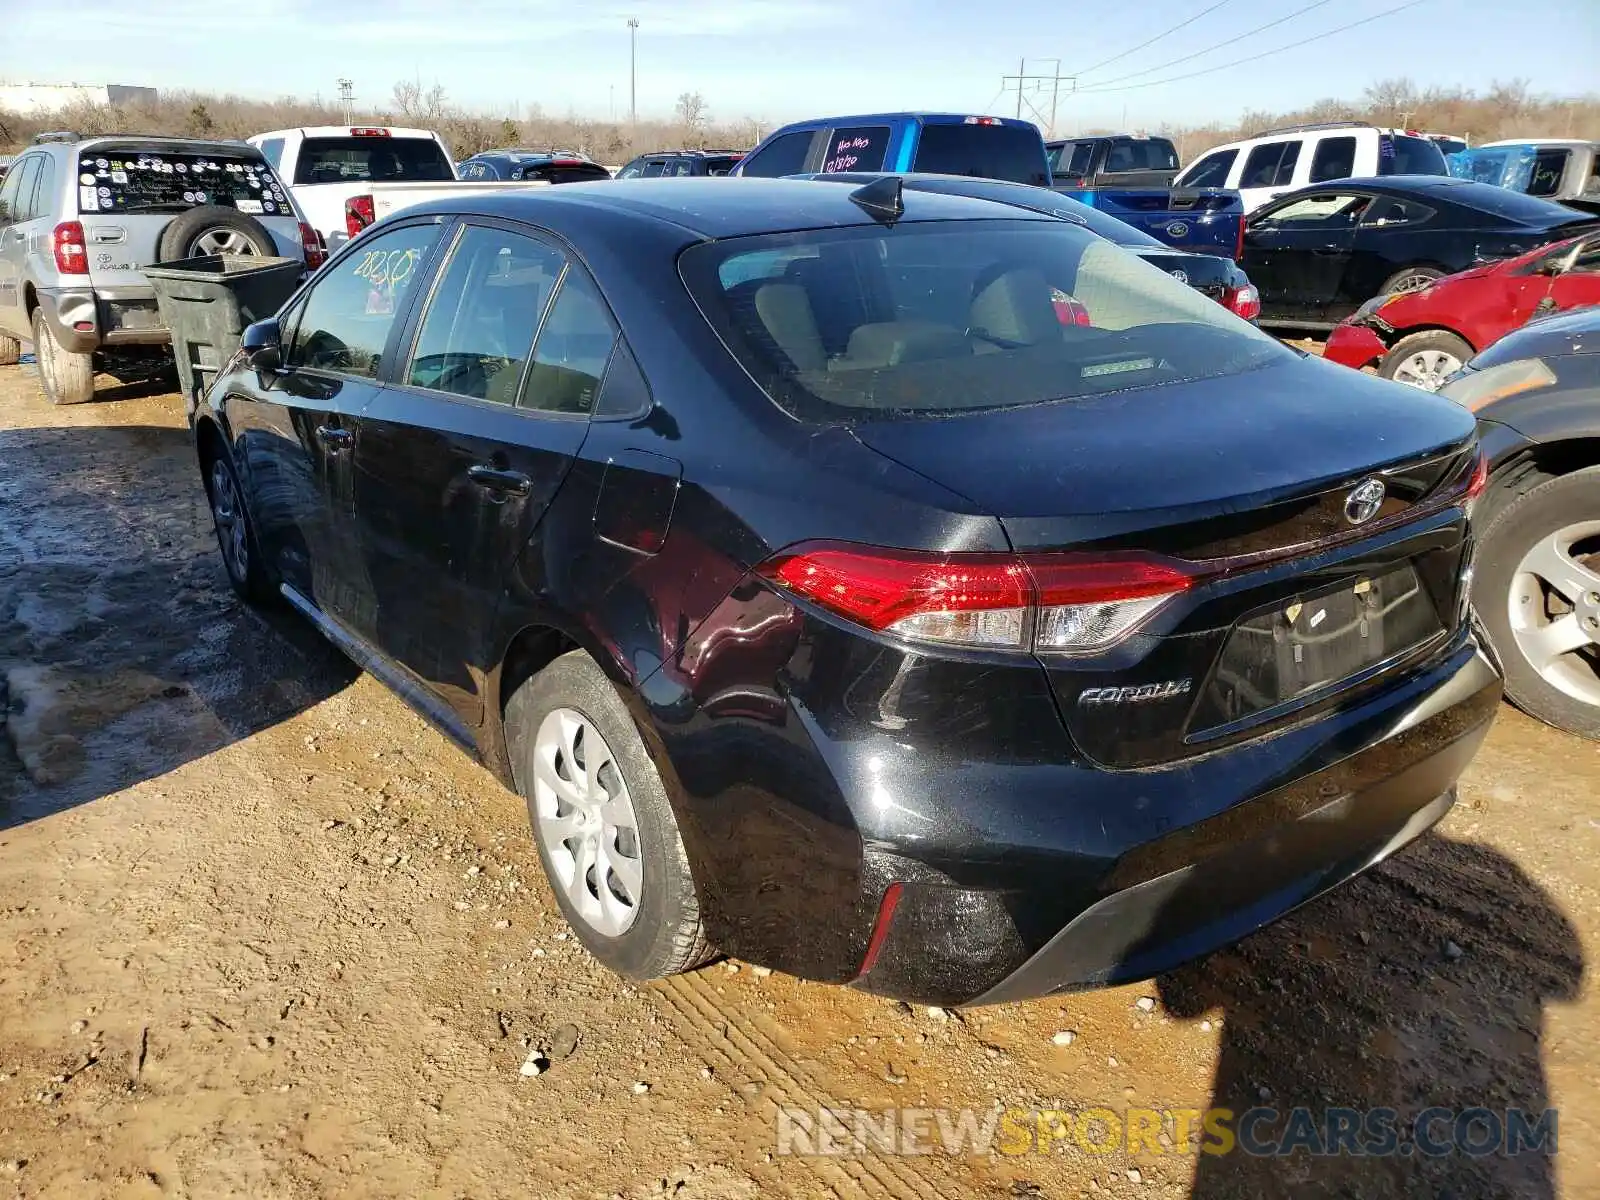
80,219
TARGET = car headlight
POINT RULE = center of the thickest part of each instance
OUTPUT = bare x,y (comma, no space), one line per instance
1474,390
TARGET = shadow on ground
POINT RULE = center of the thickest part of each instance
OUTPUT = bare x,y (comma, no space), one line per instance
123,651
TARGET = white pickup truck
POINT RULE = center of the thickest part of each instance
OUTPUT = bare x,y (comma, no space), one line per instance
325,165
380,200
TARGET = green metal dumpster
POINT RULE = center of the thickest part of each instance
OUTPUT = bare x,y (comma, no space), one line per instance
206,303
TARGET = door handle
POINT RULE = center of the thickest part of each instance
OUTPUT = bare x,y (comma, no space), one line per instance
335,439
495,479
19,235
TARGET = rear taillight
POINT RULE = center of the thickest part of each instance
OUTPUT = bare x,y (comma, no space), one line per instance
1238,241
1066,603
1243,301
311,242
358,214
70,248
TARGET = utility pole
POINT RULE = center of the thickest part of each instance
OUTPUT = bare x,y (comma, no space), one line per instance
1055,79
633,70
347,98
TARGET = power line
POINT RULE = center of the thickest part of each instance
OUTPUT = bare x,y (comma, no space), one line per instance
1230,41
1181,24
1389,12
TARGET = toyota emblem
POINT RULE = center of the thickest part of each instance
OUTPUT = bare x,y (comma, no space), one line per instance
1361,505
1178,229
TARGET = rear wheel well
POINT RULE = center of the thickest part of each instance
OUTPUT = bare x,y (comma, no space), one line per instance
531,651
208,440
30,300
1392,338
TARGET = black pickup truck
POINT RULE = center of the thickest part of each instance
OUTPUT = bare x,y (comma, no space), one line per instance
1130,178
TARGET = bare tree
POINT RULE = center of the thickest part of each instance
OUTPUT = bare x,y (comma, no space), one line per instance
693,116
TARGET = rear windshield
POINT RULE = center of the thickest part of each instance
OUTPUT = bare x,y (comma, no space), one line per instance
1399,155
562,173
986,151
722,165
920,319
1146,154
131,180
371,159
1513,206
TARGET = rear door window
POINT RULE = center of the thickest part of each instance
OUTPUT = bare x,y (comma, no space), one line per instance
479,328
272,151
1212,170
1335,158
1270,164
371,159
17,195
654,168
1548,168
351,308
132,179
1385,211
860,149
784,155
39,200
574,346
983,151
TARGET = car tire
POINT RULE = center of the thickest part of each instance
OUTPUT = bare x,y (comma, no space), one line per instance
1426,359
621,876
10,351
68,378
1542,532
1412,279
213,229
236,532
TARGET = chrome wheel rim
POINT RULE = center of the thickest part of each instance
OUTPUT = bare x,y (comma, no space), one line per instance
228,514
222,241
1555,611
1426,369
585,822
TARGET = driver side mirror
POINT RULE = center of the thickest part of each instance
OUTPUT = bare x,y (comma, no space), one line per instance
262,345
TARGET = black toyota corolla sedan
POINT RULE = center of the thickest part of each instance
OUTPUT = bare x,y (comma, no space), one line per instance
838,603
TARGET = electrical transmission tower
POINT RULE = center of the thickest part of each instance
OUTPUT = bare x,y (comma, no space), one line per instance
347,97
1038,85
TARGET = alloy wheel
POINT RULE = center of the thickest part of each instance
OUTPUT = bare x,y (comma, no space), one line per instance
585,822
222,241
1555,610
1426,369
228,513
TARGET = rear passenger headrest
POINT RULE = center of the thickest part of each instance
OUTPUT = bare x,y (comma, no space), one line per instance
785,311
889,343
1013,305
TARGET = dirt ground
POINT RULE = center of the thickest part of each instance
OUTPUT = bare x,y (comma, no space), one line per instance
264,933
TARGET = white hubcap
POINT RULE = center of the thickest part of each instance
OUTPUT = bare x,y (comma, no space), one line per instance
585,822
1555,612
1427,369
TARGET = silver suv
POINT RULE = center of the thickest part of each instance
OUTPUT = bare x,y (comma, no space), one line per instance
80,219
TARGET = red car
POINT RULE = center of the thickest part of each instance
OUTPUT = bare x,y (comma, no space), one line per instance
1422,337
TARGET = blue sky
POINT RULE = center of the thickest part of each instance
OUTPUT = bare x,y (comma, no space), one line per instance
785,59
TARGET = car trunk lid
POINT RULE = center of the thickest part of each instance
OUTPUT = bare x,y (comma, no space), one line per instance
1296,592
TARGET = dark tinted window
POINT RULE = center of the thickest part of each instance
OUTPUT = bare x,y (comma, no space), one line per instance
986,151
633,170
1400,155
1335,158
1072,160
272,151
722,164
483,315
860,149
563,173
941,317
112,179
1548,168
479,168
1389,210
1265,166
785,155
1141,154
345,320
679,167
376,159
653,168
1503,202
1212,170
574,346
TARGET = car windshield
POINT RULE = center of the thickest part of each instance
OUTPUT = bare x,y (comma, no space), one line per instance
130,178
986,151
371,159
1399,155
923,319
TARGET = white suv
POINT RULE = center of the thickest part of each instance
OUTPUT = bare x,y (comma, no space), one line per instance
1280,160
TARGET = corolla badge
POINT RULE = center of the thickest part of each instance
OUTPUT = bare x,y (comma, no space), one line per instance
1361,505
1178,229
1180,276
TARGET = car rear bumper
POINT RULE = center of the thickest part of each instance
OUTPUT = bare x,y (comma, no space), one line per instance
1365,782
85,319
1354,346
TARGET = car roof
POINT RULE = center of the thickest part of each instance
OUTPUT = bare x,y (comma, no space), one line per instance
724,208
171,145
311,131
936,117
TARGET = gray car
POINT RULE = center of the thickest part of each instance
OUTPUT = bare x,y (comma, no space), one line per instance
80,219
